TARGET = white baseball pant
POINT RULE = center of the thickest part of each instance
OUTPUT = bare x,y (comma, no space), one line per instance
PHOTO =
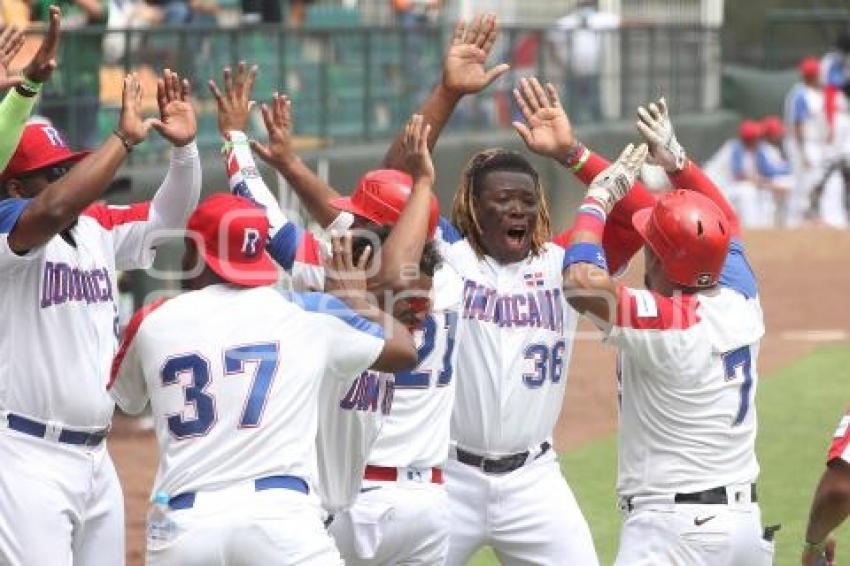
60,504
401,522
528,516
239,526
672,534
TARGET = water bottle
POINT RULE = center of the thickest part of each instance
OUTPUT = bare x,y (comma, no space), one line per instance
161,529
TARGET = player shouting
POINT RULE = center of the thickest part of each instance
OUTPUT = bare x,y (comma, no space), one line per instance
59,252
400,516
687,365
504,483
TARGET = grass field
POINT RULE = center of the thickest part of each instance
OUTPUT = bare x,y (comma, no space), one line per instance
799,407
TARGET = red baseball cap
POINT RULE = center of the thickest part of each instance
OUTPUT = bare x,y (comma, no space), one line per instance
41,146
231,233
380,196
773,126
809,67
750,130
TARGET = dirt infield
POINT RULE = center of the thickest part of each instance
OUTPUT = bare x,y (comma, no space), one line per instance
803,278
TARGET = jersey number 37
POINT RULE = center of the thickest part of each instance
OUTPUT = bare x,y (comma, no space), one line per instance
265,358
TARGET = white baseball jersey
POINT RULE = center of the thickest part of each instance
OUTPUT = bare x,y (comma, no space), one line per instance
805,105
233,377
416,432
688,375
512,369
58,302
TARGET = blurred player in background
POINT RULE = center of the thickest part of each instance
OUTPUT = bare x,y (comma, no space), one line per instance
774,169
735,168
687,365
59,253
831,501
237,470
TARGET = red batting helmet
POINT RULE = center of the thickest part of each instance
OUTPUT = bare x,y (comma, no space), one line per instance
380,197
750,131
773,126
689,234
41,146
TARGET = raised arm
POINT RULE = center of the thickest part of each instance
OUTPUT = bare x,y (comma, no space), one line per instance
655,127
406,241
234,108
547,131
314,193
61,202
179,192
588,286
20,99
464,72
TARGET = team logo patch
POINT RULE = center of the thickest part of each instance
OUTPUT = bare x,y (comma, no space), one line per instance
251,242
704,280
645,303
53,136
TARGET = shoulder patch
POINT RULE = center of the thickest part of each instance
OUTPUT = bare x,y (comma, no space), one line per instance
646,310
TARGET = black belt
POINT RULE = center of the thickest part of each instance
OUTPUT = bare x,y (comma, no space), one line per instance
714,496
186,500
67,436
501,465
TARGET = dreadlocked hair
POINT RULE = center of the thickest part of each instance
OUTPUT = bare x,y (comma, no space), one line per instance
463,208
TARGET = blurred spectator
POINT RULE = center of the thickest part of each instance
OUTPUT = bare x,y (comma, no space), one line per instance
174,12
124,14
72,100
263,11
412,14
774,169
577,44
297,13
414,17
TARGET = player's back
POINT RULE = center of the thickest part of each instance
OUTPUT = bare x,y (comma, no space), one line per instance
233,376
688,379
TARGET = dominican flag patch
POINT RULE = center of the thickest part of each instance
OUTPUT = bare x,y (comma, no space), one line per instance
534,279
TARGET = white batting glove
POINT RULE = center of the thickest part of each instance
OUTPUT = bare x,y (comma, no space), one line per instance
656,129
614,182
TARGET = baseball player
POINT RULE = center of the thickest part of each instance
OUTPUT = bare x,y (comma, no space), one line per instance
232,371
830,502
687,363
504,483
805,116
59,252
400,516
775,171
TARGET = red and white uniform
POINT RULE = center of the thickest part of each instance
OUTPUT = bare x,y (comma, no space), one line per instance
59,302
234,401
688,374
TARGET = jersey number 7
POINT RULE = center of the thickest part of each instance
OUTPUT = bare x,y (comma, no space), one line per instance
265,357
